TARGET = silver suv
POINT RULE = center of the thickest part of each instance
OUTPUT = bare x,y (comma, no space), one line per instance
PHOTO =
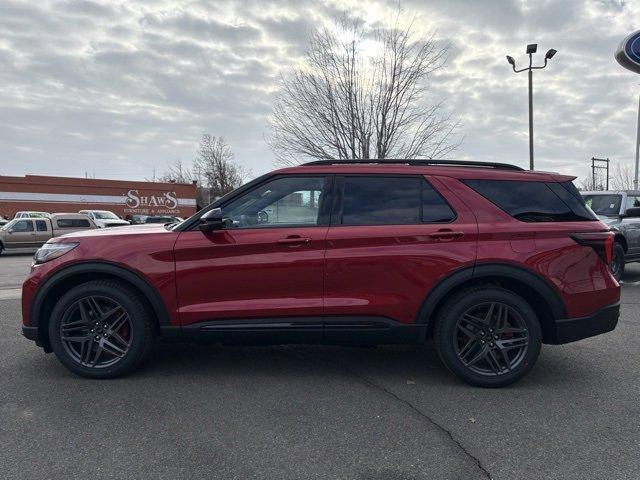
620,210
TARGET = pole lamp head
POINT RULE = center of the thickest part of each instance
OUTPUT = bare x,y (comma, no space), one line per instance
550,53
532,48
511,61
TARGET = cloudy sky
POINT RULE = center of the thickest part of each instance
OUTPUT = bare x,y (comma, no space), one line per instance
119,88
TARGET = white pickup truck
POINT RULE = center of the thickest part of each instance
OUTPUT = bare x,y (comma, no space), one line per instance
34,232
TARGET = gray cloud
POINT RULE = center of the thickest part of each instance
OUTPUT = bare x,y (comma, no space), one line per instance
122,88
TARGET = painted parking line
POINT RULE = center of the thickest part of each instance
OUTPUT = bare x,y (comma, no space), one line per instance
11,294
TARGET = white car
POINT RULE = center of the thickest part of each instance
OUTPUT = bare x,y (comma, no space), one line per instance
27,214
104,218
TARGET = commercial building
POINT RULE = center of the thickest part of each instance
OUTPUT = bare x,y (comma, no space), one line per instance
124,198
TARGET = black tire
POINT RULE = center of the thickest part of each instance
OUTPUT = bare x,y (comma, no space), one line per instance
617,262
139,331
453,335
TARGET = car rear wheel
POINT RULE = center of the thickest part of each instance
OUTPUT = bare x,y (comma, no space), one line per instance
488,336
101,329
617,261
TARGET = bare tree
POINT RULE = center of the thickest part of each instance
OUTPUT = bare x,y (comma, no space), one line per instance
362,93
215,167
622,177
177,173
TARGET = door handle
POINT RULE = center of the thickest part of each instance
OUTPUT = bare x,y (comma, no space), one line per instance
446,235
294,240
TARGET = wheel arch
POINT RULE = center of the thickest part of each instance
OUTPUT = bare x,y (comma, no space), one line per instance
542,296
67,278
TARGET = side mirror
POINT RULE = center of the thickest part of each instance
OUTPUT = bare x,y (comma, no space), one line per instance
10,230
212,220
633,212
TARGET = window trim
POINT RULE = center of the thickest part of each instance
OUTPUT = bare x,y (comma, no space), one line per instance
323,213
338,201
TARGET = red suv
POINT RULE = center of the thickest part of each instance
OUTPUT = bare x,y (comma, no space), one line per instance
489,260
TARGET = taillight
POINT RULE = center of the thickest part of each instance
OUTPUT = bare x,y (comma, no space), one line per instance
601,242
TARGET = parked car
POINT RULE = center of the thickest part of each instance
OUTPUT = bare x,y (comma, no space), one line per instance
104,218
31,215
620,210
3,221
136,219
489,260
162,219
34,232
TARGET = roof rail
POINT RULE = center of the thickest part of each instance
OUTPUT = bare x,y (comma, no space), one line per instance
444,163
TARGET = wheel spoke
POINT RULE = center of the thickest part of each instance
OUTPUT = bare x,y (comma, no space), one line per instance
78,339
475,322
479,356
489,315
112,348
118,323
95,308
109,313
467,349
511,343
99,351
121,340
85,352
493,361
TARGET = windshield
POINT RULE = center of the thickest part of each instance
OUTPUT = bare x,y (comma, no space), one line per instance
9,225
105,216
604,204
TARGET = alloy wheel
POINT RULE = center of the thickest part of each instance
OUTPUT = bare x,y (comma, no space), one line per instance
491,338
96,332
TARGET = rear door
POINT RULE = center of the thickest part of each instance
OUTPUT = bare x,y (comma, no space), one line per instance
43,231
391,239
631,227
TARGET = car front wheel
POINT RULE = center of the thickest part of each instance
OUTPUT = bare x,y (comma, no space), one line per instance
488,336
100,329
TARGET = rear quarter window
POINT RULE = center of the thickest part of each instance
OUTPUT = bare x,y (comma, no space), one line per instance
534,201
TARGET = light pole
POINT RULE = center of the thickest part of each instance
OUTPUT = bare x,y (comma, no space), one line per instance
531,49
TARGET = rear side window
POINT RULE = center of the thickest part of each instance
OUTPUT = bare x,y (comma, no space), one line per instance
41,225
73,223
380,200
534,201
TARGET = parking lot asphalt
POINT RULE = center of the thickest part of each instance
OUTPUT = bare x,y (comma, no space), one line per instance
298,412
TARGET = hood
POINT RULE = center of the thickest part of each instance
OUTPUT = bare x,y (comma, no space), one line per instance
609,221
146,229
111,221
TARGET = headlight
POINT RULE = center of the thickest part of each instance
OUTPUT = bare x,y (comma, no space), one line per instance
49,251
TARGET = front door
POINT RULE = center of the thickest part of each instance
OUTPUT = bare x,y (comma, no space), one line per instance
261,275
21,234
392,238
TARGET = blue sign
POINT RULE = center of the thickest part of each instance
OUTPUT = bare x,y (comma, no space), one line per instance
628,53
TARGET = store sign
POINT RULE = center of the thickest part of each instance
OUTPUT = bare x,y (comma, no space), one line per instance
137,202
628,53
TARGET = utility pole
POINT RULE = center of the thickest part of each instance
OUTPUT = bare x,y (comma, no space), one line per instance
598,166
635,178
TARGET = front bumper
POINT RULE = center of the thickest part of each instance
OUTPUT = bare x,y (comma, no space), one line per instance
573,329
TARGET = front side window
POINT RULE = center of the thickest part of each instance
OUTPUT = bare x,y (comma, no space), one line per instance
23,226
381,200
284,201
